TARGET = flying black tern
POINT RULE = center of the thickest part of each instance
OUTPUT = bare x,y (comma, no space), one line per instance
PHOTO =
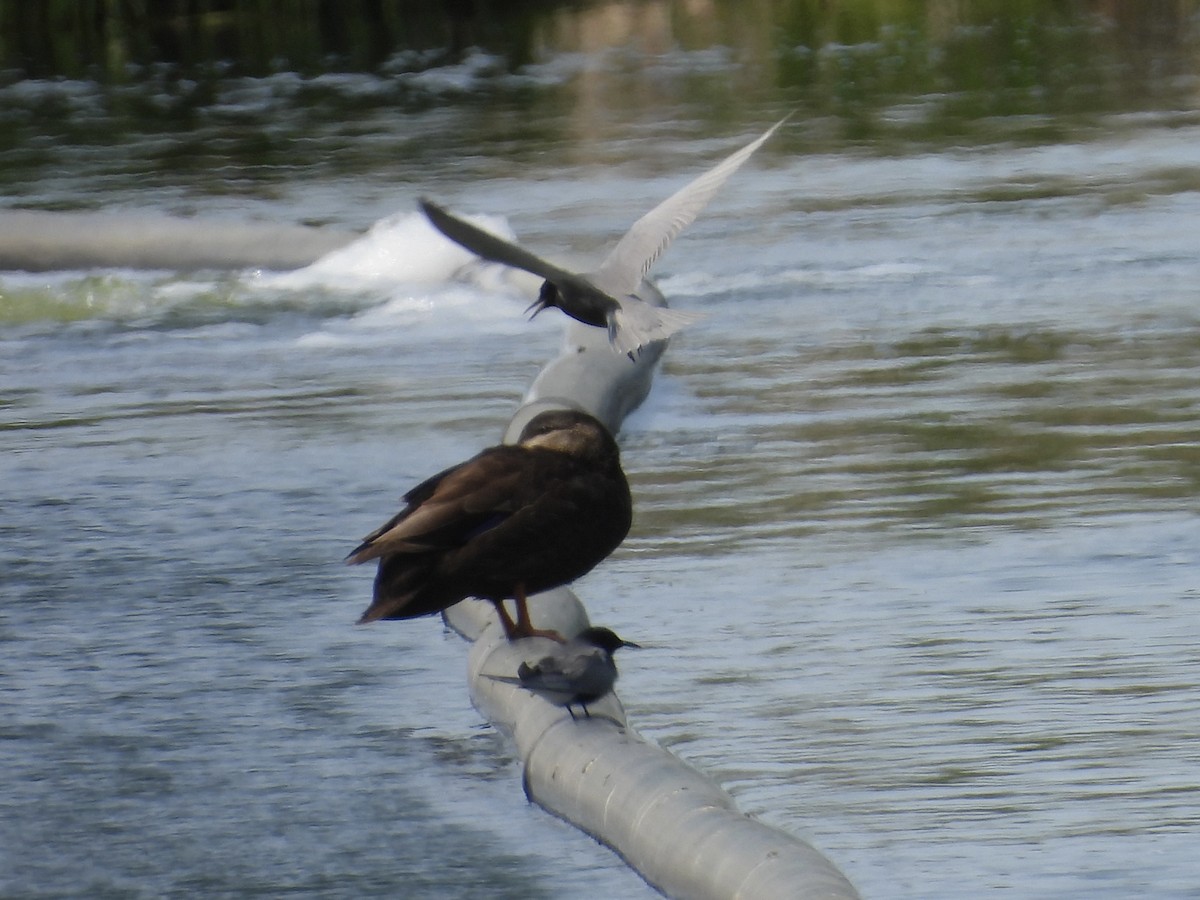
609,297
581,671
511,521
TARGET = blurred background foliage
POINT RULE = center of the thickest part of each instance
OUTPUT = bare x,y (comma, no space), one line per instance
880,75
902,43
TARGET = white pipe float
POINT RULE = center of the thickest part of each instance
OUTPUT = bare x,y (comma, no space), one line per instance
40,241
680,831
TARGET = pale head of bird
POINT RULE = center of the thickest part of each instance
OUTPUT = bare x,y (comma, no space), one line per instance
569,431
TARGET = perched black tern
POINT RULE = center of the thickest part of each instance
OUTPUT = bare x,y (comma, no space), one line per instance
514,520
610,297
581,671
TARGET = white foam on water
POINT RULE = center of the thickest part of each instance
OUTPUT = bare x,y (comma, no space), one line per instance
416,279
399,249
435,313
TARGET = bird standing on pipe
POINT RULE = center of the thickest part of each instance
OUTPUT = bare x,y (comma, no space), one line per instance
609,296
512,521
580,672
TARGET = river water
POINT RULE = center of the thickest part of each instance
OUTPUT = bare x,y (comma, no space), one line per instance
915,528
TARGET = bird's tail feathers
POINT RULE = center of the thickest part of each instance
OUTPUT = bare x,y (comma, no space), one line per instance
504,679
364,552
399,592
375,612
395,606
635,324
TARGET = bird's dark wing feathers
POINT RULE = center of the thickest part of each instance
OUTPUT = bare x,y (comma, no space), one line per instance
496,249
450,508
555,674
489,246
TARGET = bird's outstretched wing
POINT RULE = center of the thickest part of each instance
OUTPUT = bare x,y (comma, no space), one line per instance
625,267
497,249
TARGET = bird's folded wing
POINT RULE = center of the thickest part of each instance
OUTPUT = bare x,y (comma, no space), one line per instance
569,674
465,501
622,271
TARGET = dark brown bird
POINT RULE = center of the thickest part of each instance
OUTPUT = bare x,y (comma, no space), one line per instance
514,520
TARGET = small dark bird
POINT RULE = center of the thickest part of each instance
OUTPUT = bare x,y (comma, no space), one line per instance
580,672
512,521
610,297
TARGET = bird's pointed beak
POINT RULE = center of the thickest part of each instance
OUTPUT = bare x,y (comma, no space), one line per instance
546,298
631,644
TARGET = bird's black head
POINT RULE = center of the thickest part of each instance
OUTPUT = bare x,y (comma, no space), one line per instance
604,638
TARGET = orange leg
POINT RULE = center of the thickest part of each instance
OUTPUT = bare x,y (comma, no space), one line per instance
506,622
524,626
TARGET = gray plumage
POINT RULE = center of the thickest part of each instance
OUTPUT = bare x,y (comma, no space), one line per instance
611,296
581,671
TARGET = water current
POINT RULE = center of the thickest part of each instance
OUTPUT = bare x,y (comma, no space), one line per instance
915,528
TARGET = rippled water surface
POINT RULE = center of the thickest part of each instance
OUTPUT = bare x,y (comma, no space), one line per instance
916,502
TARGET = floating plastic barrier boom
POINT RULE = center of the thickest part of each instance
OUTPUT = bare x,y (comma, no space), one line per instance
679,830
